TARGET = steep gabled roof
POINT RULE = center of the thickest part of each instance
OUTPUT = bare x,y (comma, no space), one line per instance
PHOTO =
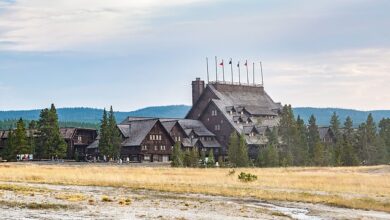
67,133
137,131
252,105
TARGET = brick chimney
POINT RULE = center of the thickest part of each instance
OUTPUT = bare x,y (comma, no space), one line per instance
197,89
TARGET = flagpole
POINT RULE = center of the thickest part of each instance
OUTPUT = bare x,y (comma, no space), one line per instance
216,70
231,68
223,71
239,73
247,73
262,78
207,66
253,68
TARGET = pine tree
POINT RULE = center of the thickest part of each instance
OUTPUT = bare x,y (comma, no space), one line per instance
114,135
57,142
313,136
243,157
384,133
177,156
233,148
21,143
211,159
104,135
271,156
367,139
49,142
348,152
289,134
337,144
302,157
194,157
9,152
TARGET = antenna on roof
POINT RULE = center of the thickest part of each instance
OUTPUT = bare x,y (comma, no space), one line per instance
207,66
262,78
216,69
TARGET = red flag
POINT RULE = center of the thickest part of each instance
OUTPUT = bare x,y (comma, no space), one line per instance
221,63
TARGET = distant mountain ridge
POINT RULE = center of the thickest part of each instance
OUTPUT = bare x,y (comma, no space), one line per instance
93,115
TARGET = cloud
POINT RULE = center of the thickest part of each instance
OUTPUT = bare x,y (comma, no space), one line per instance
40,25
348,78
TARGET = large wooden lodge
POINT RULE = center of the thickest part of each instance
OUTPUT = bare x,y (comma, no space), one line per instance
219,108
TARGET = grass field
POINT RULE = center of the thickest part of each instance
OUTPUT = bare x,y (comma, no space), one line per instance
356,187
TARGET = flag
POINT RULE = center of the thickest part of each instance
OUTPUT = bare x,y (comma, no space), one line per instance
221,64
230,62
246,63
238,64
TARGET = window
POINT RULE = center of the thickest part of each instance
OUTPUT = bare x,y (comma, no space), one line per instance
155,148
79,139
217,127
214,112
162,147
144,147
150,137
147,157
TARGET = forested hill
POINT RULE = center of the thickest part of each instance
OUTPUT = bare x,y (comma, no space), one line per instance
91,115
323,115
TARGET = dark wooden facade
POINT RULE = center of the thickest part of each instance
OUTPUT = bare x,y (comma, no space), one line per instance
77,140
146,140
226,108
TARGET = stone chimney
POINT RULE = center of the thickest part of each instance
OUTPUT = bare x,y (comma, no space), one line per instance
197,89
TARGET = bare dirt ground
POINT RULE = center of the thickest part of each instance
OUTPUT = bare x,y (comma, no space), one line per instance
43,201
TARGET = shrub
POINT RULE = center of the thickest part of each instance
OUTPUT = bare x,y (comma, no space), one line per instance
247,177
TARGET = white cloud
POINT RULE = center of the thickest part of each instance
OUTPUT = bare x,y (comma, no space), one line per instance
41,25
351,79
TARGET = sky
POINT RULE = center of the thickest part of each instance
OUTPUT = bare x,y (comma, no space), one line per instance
132,54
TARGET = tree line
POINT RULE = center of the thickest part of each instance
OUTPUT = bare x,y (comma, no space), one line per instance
12,124
293,143
43,139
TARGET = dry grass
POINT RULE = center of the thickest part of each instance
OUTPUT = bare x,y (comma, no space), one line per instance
355,187
71,197
34,205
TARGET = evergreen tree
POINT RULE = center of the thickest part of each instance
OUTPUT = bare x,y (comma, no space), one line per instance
203,158
243,157
337,144
271,156
313,136
21,142
348,153
114,135
261,157
187,162
177,156
384,133
289,135
32,125
194,157
9,152
233,148
302,157
211,159
58,144
104,136
50,143
367,140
